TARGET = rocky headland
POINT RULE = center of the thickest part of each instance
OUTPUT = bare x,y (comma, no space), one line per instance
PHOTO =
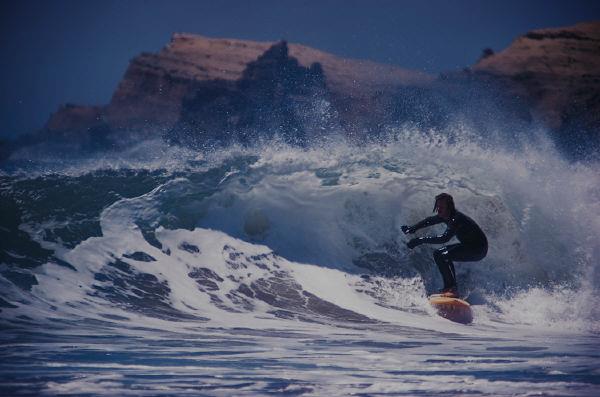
193,77
199,89
558,71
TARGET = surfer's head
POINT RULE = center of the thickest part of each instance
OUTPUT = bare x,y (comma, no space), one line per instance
444,205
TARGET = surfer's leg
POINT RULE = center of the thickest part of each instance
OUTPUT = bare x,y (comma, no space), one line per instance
464,253
446,267
456,252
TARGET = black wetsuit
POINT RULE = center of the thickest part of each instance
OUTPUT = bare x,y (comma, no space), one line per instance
473,244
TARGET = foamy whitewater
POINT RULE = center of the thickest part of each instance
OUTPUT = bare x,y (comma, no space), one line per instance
278,270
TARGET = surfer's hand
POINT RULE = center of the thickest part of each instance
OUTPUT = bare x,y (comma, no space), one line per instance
413,243
407,229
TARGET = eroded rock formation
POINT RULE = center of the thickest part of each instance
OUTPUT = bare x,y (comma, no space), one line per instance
198,89
559,71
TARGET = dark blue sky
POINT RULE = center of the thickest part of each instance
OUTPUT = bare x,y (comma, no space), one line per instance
74,51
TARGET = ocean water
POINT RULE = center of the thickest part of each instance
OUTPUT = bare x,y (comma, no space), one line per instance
278,270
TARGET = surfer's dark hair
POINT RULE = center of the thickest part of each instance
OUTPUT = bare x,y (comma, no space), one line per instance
447,198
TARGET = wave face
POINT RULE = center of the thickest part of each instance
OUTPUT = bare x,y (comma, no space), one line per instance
236,253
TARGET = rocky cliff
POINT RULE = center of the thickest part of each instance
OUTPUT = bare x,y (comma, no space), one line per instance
274,95
202,88
559,71
154,87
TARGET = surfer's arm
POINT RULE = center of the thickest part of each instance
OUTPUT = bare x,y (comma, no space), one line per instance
441,239
430,221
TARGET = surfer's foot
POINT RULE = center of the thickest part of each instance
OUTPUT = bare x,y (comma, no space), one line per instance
450,292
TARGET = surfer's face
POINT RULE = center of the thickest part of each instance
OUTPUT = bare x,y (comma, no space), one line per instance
442,209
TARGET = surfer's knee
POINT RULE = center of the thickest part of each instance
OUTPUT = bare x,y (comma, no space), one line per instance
439,255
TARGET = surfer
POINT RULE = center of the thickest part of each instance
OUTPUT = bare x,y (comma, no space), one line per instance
472,244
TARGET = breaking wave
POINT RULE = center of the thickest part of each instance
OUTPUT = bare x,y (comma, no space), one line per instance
276,233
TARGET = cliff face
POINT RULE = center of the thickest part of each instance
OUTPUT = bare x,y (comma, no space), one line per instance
155,85
274,95
559,70
198,88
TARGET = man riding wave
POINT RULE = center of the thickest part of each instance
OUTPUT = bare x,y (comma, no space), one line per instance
472,246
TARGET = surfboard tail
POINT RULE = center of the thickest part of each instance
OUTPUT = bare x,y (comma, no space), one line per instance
453,309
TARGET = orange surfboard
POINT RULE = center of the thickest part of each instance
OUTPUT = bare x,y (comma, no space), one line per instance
453,309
